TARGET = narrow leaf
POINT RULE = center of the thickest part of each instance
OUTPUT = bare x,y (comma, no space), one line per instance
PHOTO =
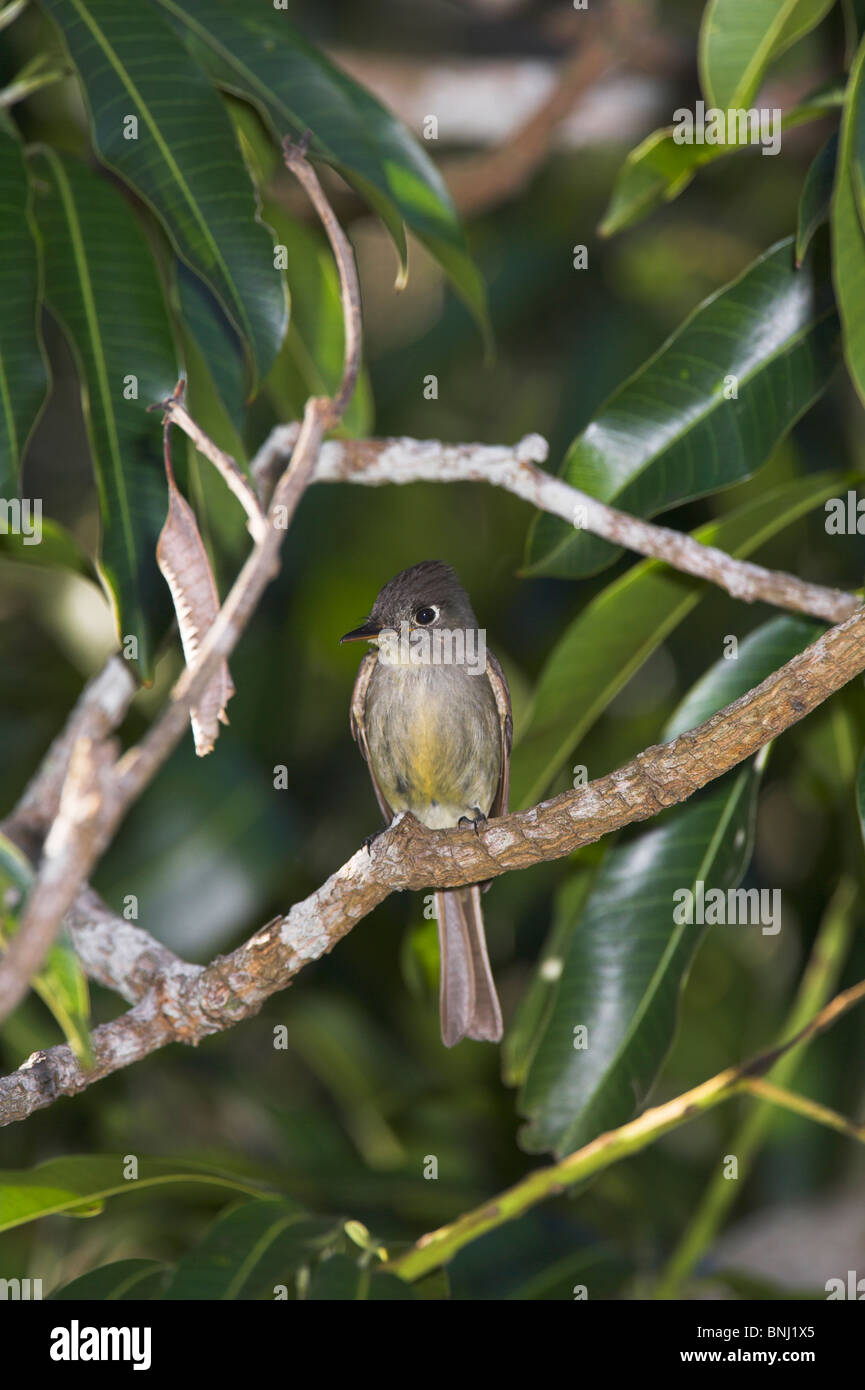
101,284
249,1250
628,954
120,1282
61,982
264,59
181,156
860,796
706,410
658,169
81,1181
816,199
740,38
848,220
23,373
340,1279
218,343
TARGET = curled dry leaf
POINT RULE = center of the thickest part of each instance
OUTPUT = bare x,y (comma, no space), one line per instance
183,561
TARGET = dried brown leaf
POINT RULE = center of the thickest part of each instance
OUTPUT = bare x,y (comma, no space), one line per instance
182,558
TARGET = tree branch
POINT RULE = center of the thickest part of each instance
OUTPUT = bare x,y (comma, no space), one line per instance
374,462
182,1006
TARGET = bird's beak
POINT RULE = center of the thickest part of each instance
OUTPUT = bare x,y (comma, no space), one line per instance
367,632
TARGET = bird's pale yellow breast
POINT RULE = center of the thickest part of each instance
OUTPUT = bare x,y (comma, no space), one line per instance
434,740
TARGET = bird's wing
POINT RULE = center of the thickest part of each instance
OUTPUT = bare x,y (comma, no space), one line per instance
496,677
358,725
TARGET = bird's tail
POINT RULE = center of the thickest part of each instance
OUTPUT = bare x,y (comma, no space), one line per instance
469,1003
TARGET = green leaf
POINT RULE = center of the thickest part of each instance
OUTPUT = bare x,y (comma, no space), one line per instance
527,1027
217,342
103,288
853,12
23,373
740,38
58,548
825,100
62,986
758,655
675,431
623,969
184,161
249,1250
340,1278
66,1185
265,60
612,637
10,12
120,1282
848,219
656,171
860,796
816,199
61,982
659,169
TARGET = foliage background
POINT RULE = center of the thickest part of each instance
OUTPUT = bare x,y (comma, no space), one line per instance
343,1118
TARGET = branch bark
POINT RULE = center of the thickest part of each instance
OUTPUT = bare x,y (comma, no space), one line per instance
186,1004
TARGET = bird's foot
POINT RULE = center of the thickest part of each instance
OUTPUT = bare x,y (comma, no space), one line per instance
477,821
370,839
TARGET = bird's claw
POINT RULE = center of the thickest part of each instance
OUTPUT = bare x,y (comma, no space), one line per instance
370,839
477,822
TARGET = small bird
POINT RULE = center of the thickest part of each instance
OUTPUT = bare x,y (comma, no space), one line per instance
431,713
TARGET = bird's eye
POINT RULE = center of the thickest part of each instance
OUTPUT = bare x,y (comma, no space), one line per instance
425,616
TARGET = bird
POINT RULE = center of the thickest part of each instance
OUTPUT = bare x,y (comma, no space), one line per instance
431,714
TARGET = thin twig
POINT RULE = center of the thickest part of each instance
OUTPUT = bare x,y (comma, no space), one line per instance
176,414
808,1109
295,159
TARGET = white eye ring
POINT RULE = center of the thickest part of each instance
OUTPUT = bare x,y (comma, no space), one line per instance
426,608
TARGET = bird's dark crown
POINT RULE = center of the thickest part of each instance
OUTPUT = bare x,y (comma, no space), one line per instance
431,584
